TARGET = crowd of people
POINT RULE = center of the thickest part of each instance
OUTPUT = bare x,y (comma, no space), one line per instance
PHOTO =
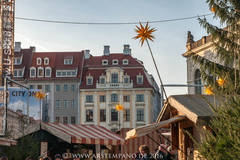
161,153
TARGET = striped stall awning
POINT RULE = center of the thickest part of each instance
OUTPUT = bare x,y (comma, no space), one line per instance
83,134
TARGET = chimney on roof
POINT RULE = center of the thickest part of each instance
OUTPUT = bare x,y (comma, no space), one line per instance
19,111
33,48
106,50
17,47
126,49
86,54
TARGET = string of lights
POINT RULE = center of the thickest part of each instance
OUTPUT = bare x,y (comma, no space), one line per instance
109,23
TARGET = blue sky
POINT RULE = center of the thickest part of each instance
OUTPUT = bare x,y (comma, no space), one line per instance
168,46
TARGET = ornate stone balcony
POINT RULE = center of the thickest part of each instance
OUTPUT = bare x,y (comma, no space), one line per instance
114,85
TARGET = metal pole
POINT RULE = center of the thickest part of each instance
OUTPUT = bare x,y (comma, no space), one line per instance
28,94
119,120
162,97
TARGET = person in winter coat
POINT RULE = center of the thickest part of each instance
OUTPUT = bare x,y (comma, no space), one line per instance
144,153
160,155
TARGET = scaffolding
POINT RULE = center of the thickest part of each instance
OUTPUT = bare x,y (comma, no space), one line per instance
7,21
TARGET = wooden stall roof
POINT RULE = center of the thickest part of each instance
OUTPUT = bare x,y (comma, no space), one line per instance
7,142
146,129
194,107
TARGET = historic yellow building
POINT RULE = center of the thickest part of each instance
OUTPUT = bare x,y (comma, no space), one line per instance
114,79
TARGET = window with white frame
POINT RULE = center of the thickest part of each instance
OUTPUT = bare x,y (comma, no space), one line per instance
114,97
40,72
89,115
17,60
102,79
104,62
48,72
127,115
89,80
57,104
114,115
140,98
68,61
125,62
126,79
114,78
115,62
66,73
18,72
198,82
140,114
39,61
139,79
32,72
46,61
89,98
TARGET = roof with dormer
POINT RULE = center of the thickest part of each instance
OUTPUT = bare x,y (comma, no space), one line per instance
94,67
56,62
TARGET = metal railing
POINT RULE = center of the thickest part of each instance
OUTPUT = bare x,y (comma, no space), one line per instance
114,85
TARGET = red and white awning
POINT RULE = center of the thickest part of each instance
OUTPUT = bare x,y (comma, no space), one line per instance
83,134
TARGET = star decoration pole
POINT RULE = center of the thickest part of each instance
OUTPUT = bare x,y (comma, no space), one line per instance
145,34
39,95
119,108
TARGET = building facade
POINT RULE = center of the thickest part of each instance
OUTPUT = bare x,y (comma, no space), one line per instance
204,48
112,79
55,73
85,89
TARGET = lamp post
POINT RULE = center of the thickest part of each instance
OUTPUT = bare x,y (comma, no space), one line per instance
40,95
119,108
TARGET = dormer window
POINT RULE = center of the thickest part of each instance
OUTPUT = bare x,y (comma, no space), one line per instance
32,72
46,61
66,73
102,79
68,61
17,60
115,62
89,80
40,72
125,62
48,72
139,79
39,61
18,72
126,79
104,62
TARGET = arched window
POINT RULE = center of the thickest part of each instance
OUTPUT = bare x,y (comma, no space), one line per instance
46,61
39,61
198,81
48,72
32,72
40,72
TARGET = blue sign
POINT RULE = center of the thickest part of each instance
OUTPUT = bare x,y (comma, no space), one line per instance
18,101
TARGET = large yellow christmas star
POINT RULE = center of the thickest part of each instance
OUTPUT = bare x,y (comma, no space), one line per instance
144,33
40,95
119,107
208,90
